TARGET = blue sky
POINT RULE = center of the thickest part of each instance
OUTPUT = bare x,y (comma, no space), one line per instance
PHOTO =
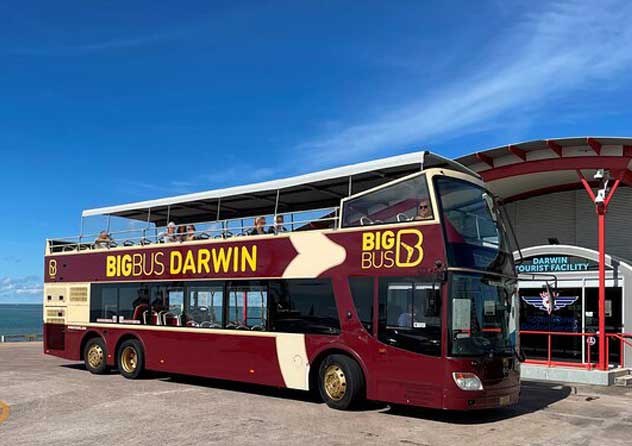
110,102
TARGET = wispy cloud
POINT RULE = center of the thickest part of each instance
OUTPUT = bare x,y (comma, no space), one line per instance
543,57
220,178
25,287
98,46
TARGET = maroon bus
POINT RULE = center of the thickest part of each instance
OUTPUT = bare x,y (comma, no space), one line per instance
390,280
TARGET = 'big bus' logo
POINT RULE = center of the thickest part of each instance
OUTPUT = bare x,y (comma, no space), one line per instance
387,249
52,268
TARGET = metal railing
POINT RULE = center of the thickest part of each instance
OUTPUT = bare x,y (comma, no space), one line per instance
589,340
218,229
624,339
549,361
21,338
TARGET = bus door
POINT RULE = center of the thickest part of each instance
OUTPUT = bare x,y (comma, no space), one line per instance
408,358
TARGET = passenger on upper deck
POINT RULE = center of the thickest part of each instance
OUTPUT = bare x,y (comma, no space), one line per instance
190,234
181,233
278,226
103,240
423,211
170,234
260,223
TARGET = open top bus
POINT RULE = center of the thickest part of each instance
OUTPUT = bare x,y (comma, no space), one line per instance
390,280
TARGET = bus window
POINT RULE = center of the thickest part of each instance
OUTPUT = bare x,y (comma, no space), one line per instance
362,293
403,201
133,302
206,306
161,309
175,304
247,306
103,303
303,306
410,315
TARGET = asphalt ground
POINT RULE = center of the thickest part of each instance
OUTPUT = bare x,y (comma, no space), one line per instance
50,401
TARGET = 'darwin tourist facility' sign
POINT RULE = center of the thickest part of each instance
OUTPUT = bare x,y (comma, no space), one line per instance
556,264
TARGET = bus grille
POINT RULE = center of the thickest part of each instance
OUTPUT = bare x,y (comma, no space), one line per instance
78,294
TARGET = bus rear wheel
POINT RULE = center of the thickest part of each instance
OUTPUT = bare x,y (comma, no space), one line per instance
131,359
341,382
94,356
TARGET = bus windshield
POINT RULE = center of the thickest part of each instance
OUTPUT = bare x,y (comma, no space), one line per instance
482,315
474,229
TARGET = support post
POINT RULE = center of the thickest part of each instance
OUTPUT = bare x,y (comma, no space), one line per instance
601,208
603,361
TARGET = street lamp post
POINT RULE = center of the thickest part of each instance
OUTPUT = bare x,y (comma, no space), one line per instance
601,201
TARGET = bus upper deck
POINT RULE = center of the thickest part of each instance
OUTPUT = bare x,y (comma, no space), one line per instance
302,203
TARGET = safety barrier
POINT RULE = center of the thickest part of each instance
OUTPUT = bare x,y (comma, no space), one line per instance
21,338
623,338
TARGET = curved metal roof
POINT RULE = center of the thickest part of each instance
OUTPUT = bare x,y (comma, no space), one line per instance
304,192
529,168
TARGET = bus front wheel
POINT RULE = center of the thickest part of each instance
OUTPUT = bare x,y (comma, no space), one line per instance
131,359
94,356
341,382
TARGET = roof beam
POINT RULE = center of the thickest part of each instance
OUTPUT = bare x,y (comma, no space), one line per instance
553,164
485,159
518,152
326,192
254,197
594,144
555,147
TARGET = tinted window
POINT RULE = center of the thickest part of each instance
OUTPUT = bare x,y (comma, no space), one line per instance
400,202
362,293
205,306
247,306
167,305
303,306
473,227
410,315
103,303
133,302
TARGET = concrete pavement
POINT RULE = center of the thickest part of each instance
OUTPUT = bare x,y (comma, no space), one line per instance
55,402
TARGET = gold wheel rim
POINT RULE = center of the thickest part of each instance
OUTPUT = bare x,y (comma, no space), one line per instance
129,359
335,382
95,356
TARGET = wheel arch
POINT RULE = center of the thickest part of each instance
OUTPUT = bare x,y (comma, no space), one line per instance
334,350
126,337
86,338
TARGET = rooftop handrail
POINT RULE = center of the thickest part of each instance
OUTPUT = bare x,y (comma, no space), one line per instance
227,228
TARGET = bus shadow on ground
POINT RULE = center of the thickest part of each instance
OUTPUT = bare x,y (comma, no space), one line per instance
534,396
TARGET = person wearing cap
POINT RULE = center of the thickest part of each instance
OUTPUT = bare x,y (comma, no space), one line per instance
170,234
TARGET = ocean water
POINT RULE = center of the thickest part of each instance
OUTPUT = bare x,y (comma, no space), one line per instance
20,319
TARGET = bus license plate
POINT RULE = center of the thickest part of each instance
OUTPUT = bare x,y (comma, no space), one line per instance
504,400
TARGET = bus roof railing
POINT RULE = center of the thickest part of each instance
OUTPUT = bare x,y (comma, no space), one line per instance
299,193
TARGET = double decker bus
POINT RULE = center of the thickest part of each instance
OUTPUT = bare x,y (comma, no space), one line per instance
390,280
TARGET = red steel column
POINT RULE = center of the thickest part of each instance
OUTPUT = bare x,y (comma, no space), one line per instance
601,215
601,208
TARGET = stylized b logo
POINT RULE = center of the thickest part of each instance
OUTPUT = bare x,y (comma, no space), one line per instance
412,253
52,268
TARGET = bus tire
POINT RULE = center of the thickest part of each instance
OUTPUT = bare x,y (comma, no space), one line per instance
131,359
94,356
341,382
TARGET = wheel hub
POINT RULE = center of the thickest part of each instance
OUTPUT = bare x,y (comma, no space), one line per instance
335,382
95,356
129,359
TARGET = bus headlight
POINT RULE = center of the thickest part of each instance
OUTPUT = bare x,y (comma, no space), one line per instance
467,381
